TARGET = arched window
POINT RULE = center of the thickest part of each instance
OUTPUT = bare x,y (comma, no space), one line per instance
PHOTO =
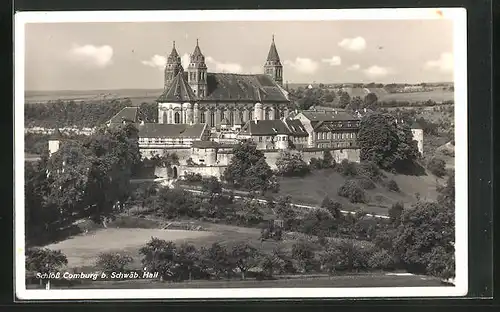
250,115
221,115
177,118
240,116
212,119
231,117
202,117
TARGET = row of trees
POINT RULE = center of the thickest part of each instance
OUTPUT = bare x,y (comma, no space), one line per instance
82,113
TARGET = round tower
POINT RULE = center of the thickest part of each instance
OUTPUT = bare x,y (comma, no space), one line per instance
281,141
197,73
257,115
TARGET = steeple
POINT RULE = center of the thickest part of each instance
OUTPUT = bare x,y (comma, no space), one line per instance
197,72
273,66
173,66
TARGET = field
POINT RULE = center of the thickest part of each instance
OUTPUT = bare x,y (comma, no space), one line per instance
137,96
313,188
82,250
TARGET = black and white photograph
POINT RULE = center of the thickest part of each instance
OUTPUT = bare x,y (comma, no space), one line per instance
241,154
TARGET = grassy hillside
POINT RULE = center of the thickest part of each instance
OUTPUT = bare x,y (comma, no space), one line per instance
314,187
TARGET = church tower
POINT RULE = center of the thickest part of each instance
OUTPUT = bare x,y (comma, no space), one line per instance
197,73
273,67
173,66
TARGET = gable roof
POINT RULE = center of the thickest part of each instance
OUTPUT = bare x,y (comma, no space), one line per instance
178,91
296,127
126,114
265,127
328,116
156,130
228,87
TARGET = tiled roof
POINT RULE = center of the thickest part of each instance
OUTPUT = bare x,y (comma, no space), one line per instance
230,87
178,91
328,115
296,127
156,130
265,127
126,114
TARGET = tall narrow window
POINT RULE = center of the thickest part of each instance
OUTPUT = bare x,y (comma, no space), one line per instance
212,119
241,117
250,115
177,117
231,117
202,117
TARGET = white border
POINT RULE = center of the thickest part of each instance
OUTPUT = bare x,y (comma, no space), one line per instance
458,15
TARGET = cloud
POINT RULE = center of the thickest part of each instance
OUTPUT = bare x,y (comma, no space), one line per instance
99,56
224,67
354,67
377,71
444,63
256,70
353,44
303,65
333,61
156,61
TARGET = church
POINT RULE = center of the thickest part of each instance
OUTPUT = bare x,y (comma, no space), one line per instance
197,96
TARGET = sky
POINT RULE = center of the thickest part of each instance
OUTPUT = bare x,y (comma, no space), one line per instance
93,56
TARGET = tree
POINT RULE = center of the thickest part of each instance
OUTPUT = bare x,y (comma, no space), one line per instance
370,100
217,259
251,212
437,166
286,212
328,161
395,213
44,261
347,168
211,185
159,256
188,259
425,239
304,253
113,262
393,186
333,207
386,143
345,99
352,191
291,165
248,169
245,257
355,104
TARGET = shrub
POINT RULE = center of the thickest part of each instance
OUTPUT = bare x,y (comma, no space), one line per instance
111,262
437,167
366,183
292,165
193,177
393,186
347,168
333,207
315,164
395,213
381,260
369,170
352,191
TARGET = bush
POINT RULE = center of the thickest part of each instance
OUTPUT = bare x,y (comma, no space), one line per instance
291,165
395,213
111,262
369,170
347,168
393,186
366,183
437,167
381,260
193,177
133,223
352,191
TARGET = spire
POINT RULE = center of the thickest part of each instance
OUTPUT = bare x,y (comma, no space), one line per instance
174,56
273,53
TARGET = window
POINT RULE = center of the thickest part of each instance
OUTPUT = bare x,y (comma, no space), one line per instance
231,117
260,139
177,118
212,119
202,117
221,115
250,115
